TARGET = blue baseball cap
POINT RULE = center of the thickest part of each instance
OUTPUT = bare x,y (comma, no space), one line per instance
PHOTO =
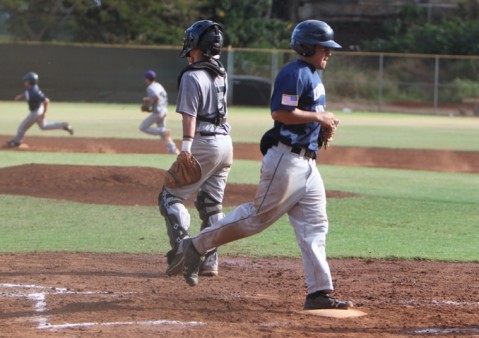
150,75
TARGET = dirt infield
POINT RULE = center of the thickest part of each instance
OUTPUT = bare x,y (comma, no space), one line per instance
128,295
104,185
119,295
435,160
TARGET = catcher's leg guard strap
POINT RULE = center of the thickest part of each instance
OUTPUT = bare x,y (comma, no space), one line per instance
209,209
176,216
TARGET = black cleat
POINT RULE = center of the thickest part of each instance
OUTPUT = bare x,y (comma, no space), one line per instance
326,302
175,260
13,144
192,262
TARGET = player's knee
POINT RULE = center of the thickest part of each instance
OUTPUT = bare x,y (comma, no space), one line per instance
209,209
164,132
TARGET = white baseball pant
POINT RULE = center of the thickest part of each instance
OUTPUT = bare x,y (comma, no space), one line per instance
289,184
38,118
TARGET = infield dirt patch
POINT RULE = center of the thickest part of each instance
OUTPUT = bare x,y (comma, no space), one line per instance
435,160
123,295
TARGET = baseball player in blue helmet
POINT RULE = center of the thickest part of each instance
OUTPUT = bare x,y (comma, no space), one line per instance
156,103
38,106
290,182
202,92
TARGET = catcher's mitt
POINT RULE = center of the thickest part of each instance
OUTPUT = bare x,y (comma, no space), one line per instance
145,107
326,135
185,170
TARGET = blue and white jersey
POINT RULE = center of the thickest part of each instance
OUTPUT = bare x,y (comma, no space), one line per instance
34,97
298,85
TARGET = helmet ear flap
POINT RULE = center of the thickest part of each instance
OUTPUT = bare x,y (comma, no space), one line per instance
217,44
308,50
304,49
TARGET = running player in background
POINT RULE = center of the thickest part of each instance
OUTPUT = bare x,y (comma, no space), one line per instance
156,102
38,105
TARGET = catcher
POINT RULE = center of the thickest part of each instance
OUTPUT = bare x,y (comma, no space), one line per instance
207,151
156,103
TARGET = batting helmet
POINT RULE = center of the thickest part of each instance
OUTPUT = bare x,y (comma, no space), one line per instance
150,75
205,35
31,77
310,33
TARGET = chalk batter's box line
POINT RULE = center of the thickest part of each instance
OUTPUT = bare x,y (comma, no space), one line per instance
41,306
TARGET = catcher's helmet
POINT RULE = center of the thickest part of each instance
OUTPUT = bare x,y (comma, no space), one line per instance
205,35
310,33
31,77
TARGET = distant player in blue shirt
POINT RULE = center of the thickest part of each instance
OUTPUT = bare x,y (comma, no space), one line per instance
38,106
290,182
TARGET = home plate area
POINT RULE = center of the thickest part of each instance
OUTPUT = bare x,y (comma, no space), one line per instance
44,300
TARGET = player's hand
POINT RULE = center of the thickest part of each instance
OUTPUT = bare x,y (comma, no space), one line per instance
18,97
327,120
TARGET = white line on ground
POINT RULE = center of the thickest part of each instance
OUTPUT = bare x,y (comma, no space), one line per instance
451,330
41,306
139,323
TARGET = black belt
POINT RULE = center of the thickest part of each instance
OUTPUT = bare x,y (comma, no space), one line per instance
218,120
307,153
297,150
204,133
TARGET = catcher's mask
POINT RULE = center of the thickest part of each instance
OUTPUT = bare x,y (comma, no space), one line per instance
31,78
205,35
311,33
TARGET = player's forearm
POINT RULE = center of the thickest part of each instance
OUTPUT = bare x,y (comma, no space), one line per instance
19,96
296,116
45,105
299,116
189,129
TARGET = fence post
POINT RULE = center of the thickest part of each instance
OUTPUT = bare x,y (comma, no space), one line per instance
380,81
274,65
230,65
436,83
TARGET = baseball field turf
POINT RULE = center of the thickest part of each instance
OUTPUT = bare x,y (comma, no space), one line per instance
392,213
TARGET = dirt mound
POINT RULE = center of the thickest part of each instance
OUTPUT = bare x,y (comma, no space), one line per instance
127,295
103,185
435,160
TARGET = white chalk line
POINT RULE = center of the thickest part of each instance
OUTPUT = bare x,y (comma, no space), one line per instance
458,330
139,323
439,302
41,306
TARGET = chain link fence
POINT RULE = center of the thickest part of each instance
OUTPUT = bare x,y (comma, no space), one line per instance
381,81
354,80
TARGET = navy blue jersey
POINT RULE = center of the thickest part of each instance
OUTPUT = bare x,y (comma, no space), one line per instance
34,97
298,85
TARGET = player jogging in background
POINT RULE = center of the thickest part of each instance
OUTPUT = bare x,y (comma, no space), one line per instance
156,102
202,102
38,105
290,181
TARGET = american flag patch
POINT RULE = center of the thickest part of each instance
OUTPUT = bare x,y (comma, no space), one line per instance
289,100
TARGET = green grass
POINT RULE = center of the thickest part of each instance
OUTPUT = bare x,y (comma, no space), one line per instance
396,213
357,129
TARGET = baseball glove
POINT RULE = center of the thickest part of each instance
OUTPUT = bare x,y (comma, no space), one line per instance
326,135
145,107
185,170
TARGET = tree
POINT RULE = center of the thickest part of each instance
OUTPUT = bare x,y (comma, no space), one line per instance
108,21
35,20
248,23
409,34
